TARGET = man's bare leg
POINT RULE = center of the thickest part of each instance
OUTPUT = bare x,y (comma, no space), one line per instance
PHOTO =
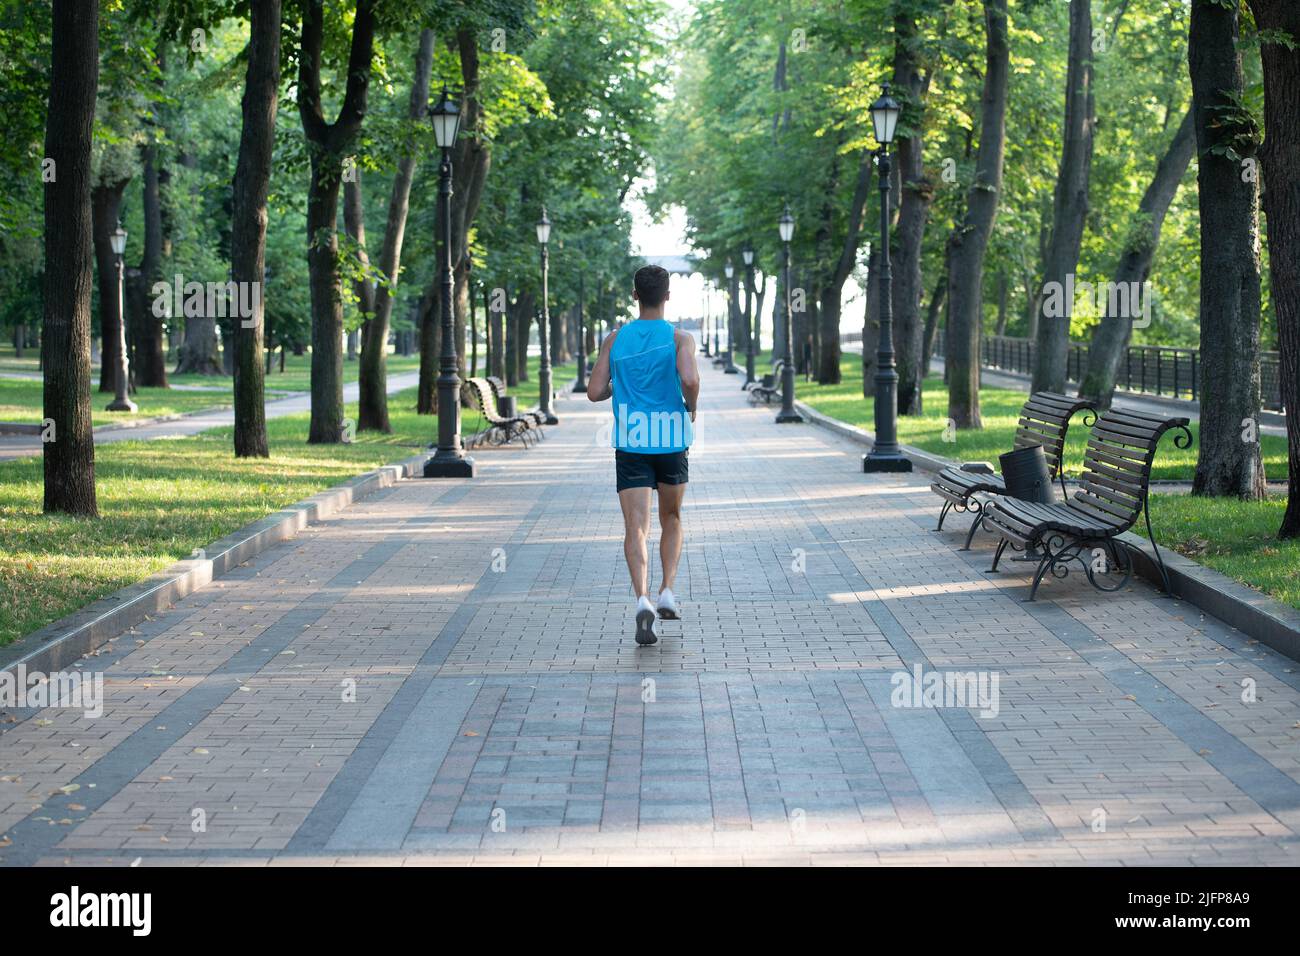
670,532
636,529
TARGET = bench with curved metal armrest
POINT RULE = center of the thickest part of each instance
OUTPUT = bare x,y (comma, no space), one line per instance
501,429
768,388
533,415
1044,420
1112,494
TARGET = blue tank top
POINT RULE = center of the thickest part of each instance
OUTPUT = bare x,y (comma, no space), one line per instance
650,415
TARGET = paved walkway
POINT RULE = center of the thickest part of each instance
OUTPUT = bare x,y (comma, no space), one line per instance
445,673
22,446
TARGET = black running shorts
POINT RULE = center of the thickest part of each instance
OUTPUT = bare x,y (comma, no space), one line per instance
637,470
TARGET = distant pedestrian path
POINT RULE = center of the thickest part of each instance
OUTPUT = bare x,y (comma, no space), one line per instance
446,670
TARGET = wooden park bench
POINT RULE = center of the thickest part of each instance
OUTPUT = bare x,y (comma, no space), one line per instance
1112,493
1044,420
768,388
500,429
533,415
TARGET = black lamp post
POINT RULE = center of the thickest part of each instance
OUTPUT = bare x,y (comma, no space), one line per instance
729,364
787,414
544,368
748,255
719,358
707,320
581,384
885,454
122,376
449,460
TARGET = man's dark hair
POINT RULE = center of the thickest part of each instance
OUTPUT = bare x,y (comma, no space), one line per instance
651,284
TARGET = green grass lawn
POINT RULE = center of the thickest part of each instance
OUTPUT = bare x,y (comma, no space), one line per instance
1238,538
9,362
296,376
1000,410
22,401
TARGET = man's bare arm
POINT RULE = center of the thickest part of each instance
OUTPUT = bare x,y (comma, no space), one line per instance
598,386
688,371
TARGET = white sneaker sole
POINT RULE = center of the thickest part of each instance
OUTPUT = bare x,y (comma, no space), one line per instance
645,627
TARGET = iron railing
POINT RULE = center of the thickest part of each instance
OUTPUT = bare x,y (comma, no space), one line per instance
1153,369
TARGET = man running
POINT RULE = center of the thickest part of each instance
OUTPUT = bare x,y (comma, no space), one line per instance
649,368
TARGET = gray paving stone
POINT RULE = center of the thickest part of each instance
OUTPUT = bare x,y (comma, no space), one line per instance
505,717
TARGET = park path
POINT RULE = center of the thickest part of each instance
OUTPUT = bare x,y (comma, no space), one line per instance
445,672
22,446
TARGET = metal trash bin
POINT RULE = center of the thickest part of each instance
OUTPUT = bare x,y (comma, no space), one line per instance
1026,475
506,406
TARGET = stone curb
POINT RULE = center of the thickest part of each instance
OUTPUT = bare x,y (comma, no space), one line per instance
1250,612
62,642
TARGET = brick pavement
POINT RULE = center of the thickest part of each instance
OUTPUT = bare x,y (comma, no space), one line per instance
445,674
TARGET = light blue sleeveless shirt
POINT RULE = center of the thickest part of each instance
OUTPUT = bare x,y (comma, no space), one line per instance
650,415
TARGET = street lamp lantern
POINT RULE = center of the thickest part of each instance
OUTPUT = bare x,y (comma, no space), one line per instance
729,269
118,240
885,454
543,330
449,460
884,117
748,255
446,120
785,226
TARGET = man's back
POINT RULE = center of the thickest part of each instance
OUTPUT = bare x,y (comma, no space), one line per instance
650,415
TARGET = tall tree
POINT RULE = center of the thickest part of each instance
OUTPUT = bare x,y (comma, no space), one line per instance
1069,206
328,145
65,341
248,222
1279,25
841,267
150,367
373,374
915,195
1110,336
1228,196
968,242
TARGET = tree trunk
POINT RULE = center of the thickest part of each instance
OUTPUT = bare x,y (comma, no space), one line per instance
430,325
373,374
328,145
1111,335
1003,287
915,195
969,241
106,208
1230,292
1280,157
831,305
932,322
871,323
248,224
150,365
1069,207
69,454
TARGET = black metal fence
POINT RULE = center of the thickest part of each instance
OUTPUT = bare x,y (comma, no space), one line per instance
1154,369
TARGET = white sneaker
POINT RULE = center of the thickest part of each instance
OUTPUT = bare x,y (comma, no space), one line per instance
667,606
645,621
